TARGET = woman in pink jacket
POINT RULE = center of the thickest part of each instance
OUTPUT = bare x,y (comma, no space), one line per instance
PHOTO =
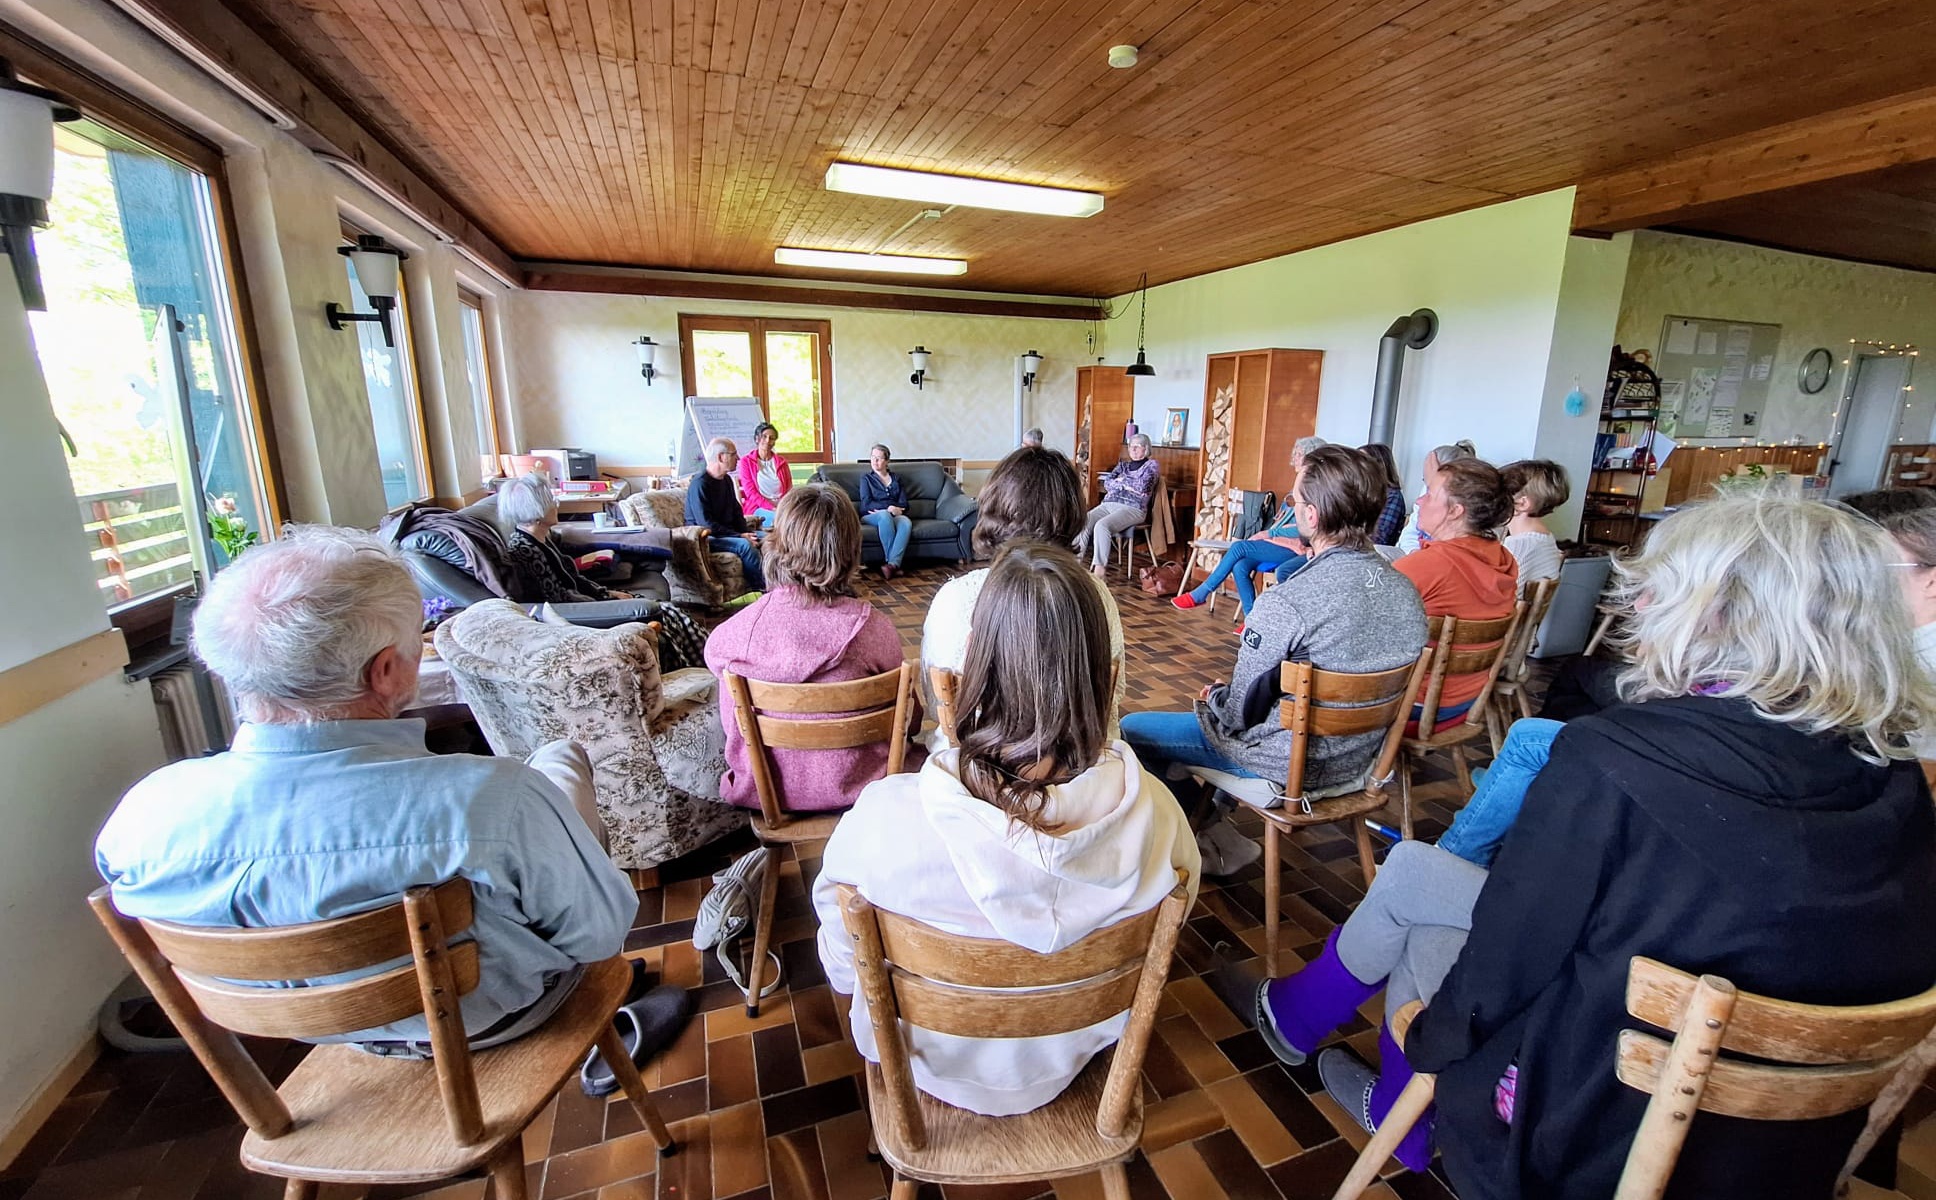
808,628
764,477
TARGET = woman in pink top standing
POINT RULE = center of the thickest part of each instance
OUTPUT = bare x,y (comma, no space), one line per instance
809,627
764,477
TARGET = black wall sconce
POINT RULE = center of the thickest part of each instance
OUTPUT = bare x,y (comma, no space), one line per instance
919,357
27,117
648,354
377,264
1031,363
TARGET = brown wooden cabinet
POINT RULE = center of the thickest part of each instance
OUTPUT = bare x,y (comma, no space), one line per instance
1256,404
1105,405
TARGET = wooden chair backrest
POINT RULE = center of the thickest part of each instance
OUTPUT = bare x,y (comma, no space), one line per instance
819,716
945,685
1538,598
1321,703
1465,648
1818,1061
190,970
967,986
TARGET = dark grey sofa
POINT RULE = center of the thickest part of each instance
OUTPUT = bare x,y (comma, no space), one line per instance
943,515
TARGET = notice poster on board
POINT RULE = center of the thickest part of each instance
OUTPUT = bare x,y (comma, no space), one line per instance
1726,366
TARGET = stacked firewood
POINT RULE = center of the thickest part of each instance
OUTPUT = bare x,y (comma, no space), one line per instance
1084,436
1213,501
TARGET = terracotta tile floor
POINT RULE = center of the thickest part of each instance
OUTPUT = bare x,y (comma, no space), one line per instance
768,1108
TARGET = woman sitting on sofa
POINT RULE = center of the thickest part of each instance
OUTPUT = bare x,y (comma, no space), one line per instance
764,477
883,504
808,628
1038,830
541,569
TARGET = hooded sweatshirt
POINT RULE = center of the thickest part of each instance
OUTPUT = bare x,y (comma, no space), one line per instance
1698,833
922,846
1471,578
781,638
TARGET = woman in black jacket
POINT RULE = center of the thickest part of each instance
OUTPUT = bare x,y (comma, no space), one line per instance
1753,812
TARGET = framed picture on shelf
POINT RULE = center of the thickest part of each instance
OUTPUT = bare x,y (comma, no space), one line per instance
1173,426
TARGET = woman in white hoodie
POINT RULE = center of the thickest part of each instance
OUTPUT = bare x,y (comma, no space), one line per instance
1035,830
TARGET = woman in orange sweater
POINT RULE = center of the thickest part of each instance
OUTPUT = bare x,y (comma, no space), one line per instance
1463,571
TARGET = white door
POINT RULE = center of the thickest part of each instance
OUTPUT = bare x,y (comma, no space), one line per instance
1863,446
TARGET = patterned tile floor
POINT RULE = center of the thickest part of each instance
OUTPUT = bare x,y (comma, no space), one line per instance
768,1108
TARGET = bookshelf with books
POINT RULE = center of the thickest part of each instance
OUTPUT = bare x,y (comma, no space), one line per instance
1624,467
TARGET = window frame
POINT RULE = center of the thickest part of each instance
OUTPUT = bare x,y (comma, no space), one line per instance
147,619
489,441
757,328
407,359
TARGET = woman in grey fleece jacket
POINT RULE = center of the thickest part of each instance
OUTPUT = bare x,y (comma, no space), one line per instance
1345,610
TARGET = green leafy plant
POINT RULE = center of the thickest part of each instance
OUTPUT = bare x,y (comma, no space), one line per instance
228,527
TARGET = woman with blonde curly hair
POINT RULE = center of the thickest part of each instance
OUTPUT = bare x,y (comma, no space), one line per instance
1753,811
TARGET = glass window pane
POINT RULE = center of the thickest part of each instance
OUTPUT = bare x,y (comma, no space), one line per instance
476,367
132,231
393,398
723,362
793,387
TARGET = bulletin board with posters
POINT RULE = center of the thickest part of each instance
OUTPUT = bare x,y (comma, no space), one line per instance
1714,376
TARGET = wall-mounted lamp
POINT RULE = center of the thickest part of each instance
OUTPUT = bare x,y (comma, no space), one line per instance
1031,363
648,352
376,263
919,357
27,116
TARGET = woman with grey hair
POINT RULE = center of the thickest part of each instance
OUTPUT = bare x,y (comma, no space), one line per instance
1127,489
541,569
1754,811
1280,548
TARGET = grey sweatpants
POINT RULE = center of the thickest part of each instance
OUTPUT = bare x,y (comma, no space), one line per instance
1413,922
1105,520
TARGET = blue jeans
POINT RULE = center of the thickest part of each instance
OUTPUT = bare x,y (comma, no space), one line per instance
749,557
1486,818
1289,566
1162,738
894,533
1242,558
766,516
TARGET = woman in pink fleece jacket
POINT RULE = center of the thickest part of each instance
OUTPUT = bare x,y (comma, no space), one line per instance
764,477
808,628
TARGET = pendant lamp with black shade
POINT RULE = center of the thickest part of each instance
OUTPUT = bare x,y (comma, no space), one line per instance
1141,366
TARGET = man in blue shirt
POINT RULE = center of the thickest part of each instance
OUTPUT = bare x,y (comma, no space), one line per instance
328,805
712,502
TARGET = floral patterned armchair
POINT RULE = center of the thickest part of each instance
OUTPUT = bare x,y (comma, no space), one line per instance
655,742
696,575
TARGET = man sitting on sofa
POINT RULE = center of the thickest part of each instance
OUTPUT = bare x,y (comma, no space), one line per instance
712,502
327,805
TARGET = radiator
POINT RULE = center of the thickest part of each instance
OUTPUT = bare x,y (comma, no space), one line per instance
186,730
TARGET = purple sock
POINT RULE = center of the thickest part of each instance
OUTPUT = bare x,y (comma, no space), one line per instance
1394,1072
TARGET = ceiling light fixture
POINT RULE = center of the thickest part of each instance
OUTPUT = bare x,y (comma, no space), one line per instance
1141,367
927,187
1122,57
851,260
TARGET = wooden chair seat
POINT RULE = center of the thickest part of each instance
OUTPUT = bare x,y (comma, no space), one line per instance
1055,1140
1328,811
364,1119
799,828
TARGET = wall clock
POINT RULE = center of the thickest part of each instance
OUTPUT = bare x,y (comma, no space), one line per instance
1815,369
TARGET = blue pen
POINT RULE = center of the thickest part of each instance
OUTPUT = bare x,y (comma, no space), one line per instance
1384,831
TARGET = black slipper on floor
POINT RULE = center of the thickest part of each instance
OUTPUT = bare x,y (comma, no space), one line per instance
646,1026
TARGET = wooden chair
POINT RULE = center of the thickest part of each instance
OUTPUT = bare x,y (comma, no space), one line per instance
1513,675
944,684
1816,1061
1324,704
1457,648
344,1116
808,716
974,987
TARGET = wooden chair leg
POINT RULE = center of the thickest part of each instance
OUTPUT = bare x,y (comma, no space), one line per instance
1405,796
613,1048
762,930
1495,729
1273,891
1367,855
1115,1182
1410,1106
298,1189
507,1172
1525,701
904,1189
1463,770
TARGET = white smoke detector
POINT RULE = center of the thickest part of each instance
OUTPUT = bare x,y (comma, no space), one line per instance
1122,57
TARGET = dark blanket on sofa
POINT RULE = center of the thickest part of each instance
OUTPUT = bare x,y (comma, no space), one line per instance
475,540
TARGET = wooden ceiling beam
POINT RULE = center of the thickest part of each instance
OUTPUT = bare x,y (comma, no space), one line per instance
1848,141
563,277
320,122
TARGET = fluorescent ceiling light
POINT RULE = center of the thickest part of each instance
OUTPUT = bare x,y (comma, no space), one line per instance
924,186
850,260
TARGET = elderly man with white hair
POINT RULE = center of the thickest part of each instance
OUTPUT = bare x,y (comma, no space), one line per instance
329,805
1127,490
712,502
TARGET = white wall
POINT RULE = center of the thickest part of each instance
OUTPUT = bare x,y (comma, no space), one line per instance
1590,288
575,376
64,764
1492,275
1816,301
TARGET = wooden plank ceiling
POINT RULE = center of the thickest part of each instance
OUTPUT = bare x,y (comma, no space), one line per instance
694,133
1886,217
